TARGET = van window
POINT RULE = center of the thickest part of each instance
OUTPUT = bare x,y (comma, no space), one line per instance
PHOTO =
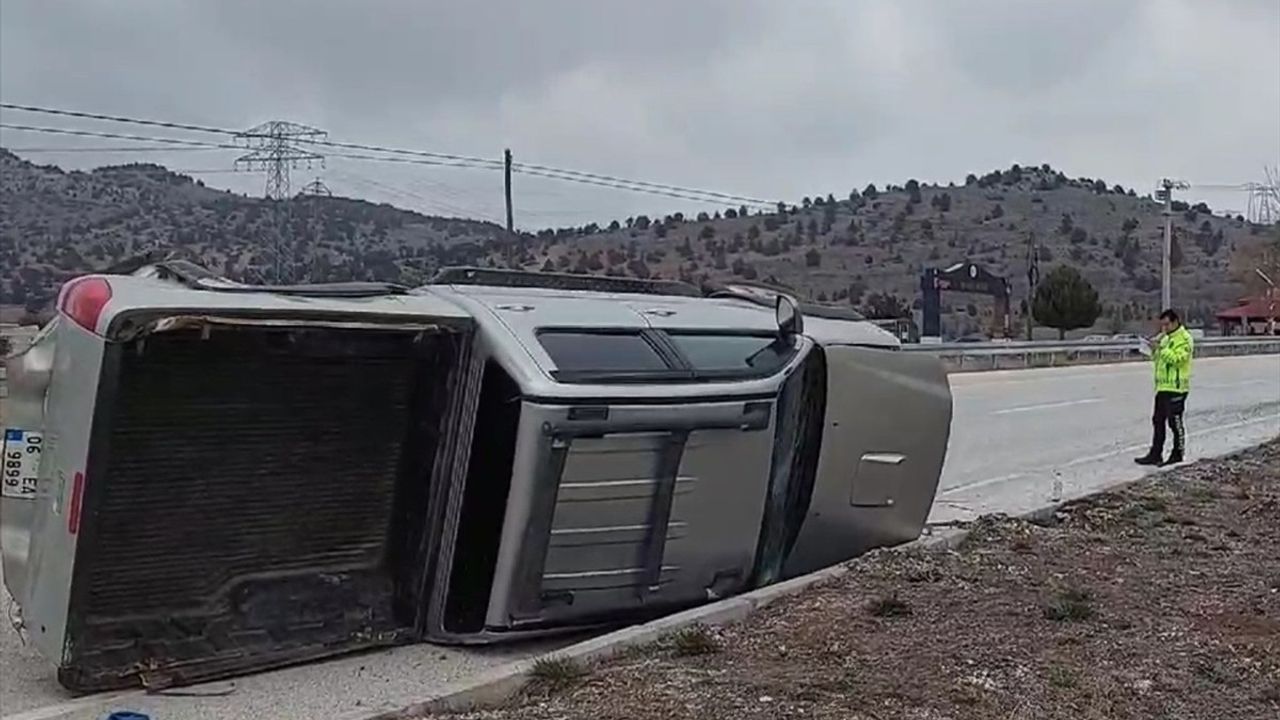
750,354
601,352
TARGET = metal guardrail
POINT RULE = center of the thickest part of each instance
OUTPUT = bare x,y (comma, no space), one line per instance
1077,344
1023,354
19,336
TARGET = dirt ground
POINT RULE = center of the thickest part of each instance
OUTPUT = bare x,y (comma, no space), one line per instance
1159,601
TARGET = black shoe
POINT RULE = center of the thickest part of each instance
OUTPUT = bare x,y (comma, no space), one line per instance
1175,457
1148,459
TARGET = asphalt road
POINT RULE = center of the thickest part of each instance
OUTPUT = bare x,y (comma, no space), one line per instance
1018,438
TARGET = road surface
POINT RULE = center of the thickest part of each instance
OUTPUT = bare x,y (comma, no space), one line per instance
1014,433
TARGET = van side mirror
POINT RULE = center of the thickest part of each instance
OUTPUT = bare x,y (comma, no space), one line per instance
788,317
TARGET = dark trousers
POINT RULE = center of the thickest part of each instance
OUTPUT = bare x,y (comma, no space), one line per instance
1168,410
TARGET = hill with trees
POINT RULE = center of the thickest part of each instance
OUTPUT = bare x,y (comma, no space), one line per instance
864,248
56,224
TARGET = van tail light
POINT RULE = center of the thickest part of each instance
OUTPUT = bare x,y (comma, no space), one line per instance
83,299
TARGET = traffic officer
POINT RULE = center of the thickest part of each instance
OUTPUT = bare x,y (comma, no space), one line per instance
1171,354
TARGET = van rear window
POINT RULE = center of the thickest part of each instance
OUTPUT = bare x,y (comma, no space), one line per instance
601,352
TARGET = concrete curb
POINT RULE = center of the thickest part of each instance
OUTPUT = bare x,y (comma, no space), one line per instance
502,683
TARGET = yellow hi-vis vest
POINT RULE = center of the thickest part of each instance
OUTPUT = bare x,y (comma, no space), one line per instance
1173,361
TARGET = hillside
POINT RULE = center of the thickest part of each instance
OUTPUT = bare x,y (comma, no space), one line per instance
877,241
56,224
854,249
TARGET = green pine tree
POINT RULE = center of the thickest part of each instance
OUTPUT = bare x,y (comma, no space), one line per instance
1065,301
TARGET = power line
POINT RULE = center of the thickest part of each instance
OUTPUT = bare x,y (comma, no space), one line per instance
209,171
469,163
1263,198
117,136
107,149
442,159
223,131
116,118
525,167
413,161
542,171
577,176
620,185
471,160
434,204
163,171
439,188
675,192
180,144
481,203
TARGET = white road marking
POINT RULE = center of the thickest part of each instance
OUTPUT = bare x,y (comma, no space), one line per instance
1217,386
982,483
1017,376
1092,458
1046,406
1061,372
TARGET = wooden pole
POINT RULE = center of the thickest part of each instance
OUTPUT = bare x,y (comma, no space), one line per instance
506,156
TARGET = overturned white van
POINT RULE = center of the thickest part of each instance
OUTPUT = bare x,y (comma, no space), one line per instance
210,478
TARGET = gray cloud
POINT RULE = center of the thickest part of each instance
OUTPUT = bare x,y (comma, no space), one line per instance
762,98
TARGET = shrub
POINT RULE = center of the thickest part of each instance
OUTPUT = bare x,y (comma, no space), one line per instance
695,640
1070,605
889,606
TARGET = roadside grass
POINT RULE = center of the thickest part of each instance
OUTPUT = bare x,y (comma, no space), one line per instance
1070,605
695,640
889,605
1063,677
555,674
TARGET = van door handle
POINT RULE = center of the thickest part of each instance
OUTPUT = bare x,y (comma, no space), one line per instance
884,458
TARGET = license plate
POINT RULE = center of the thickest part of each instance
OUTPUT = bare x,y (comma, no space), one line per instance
22,449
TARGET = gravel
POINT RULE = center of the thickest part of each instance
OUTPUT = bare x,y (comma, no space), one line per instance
1161,600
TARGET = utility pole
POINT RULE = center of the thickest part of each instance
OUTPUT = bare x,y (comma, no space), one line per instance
1270,295
1033,279
1165,193
506,174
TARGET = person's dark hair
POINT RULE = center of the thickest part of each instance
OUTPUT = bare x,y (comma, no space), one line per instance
1170,315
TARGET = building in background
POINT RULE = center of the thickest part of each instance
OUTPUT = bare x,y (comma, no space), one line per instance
1258,315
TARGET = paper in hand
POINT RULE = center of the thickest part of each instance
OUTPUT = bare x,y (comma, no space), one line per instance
1144,346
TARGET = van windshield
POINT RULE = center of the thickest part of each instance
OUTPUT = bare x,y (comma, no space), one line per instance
584,352
662,356
750,354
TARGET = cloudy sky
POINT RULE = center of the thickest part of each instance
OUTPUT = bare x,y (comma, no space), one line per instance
766,98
